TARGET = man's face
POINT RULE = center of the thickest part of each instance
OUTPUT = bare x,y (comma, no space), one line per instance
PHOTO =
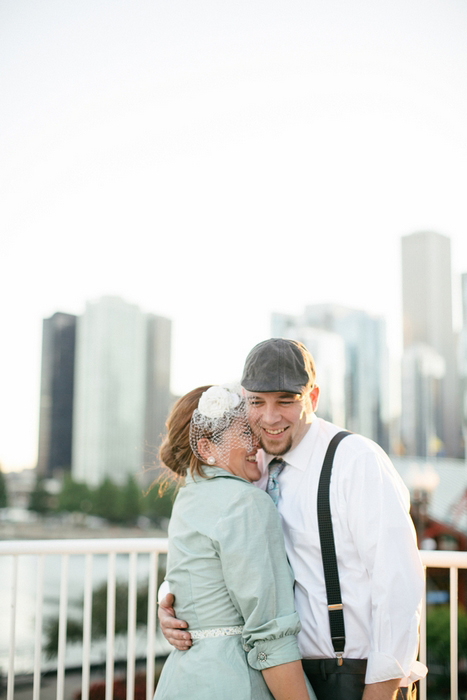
279,419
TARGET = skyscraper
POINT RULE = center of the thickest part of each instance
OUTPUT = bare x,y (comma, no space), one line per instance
122,390
56,395
427,318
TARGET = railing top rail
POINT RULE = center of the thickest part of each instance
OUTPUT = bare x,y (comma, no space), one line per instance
88,546
159,544
444,559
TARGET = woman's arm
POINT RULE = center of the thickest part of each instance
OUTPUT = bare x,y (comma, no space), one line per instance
286,681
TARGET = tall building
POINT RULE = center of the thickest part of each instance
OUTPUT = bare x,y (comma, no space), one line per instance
423,370
56,394
363,339
121,390
462,359
427,318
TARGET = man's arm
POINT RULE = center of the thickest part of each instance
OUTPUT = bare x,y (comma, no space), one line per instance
381,691
173,630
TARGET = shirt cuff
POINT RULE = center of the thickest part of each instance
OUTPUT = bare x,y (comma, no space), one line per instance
273,652
382,667
164,588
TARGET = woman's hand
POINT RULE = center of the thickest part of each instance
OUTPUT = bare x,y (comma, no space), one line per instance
173,630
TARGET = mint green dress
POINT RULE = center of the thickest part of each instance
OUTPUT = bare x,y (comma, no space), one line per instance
227,567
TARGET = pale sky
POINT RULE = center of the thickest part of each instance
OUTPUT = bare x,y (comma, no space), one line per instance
215,161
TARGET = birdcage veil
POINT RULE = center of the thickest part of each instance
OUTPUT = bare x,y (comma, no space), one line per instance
220,418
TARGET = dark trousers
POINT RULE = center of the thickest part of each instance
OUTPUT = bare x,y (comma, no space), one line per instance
346,682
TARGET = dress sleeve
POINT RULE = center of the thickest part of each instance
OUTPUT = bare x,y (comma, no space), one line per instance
251,548
383,532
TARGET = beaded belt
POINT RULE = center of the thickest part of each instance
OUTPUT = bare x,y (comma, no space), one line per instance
216,632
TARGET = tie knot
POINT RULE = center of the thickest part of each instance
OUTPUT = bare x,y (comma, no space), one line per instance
275,467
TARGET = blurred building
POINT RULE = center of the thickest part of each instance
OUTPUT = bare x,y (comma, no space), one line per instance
361,364
121,390
427,319
462,359
56,394
423,370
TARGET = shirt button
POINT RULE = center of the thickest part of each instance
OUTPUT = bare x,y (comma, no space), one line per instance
262,656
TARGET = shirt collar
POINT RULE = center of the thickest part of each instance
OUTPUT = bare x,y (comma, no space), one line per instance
300,455
211,473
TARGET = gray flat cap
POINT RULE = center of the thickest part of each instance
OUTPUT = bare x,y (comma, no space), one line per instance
278,364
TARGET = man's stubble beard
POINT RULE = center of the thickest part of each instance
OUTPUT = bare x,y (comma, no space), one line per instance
278,451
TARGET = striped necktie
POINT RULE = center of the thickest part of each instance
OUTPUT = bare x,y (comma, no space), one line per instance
275,467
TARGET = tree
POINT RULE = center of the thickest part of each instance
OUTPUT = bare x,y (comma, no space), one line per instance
39,500
131,505
3,490
74,497
106,501
99,617
158,502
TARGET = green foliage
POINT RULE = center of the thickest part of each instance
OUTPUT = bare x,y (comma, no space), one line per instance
438,631
74,633
3,490
131,501
74,497
99,617
118,504
39,500
158,503
106,501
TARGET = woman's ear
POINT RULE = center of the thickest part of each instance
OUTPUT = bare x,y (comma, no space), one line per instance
205,448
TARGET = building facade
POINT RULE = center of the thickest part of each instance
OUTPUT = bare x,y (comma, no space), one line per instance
56,395
427,319
122,393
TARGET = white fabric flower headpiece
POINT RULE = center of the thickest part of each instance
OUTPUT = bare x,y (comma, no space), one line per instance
217,400
219,407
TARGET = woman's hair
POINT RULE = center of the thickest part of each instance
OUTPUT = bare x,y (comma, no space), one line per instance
175,451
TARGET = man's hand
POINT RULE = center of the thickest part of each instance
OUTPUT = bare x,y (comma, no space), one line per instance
173,630
381,691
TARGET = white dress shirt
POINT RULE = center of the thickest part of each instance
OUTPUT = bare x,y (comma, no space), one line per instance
380,572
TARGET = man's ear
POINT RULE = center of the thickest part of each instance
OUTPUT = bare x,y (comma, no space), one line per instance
314,397
205,448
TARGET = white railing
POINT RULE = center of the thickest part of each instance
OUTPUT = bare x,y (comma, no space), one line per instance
88,547
452,561
154,547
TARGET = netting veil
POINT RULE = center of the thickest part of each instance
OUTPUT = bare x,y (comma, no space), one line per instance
221,420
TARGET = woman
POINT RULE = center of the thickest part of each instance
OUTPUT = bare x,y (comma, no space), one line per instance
227,565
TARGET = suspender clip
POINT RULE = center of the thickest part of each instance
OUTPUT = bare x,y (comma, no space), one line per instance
339,658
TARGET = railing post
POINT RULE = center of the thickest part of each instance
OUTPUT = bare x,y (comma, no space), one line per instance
453,604
36,693
87,616
131,628
11,662
110,633
152,585
423,640
62,628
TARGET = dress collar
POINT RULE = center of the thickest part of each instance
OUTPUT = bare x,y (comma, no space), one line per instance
211,473
300,456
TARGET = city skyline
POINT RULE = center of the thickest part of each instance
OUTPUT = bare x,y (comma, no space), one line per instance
215,163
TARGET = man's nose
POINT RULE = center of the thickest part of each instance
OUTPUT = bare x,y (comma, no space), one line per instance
271,414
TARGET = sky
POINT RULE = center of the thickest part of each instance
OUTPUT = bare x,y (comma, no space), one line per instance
214,162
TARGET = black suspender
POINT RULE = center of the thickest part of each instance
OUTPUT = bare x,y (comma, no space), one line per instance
328,551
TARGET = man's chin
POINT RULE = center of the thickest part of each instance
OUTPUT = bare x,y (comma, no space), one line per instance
274,448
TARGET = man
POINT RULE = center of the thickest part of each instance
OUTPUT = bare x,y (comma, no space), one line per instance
380,573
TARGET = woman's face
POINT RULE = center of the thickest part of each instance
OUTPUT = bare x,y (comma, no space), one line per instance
236,453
